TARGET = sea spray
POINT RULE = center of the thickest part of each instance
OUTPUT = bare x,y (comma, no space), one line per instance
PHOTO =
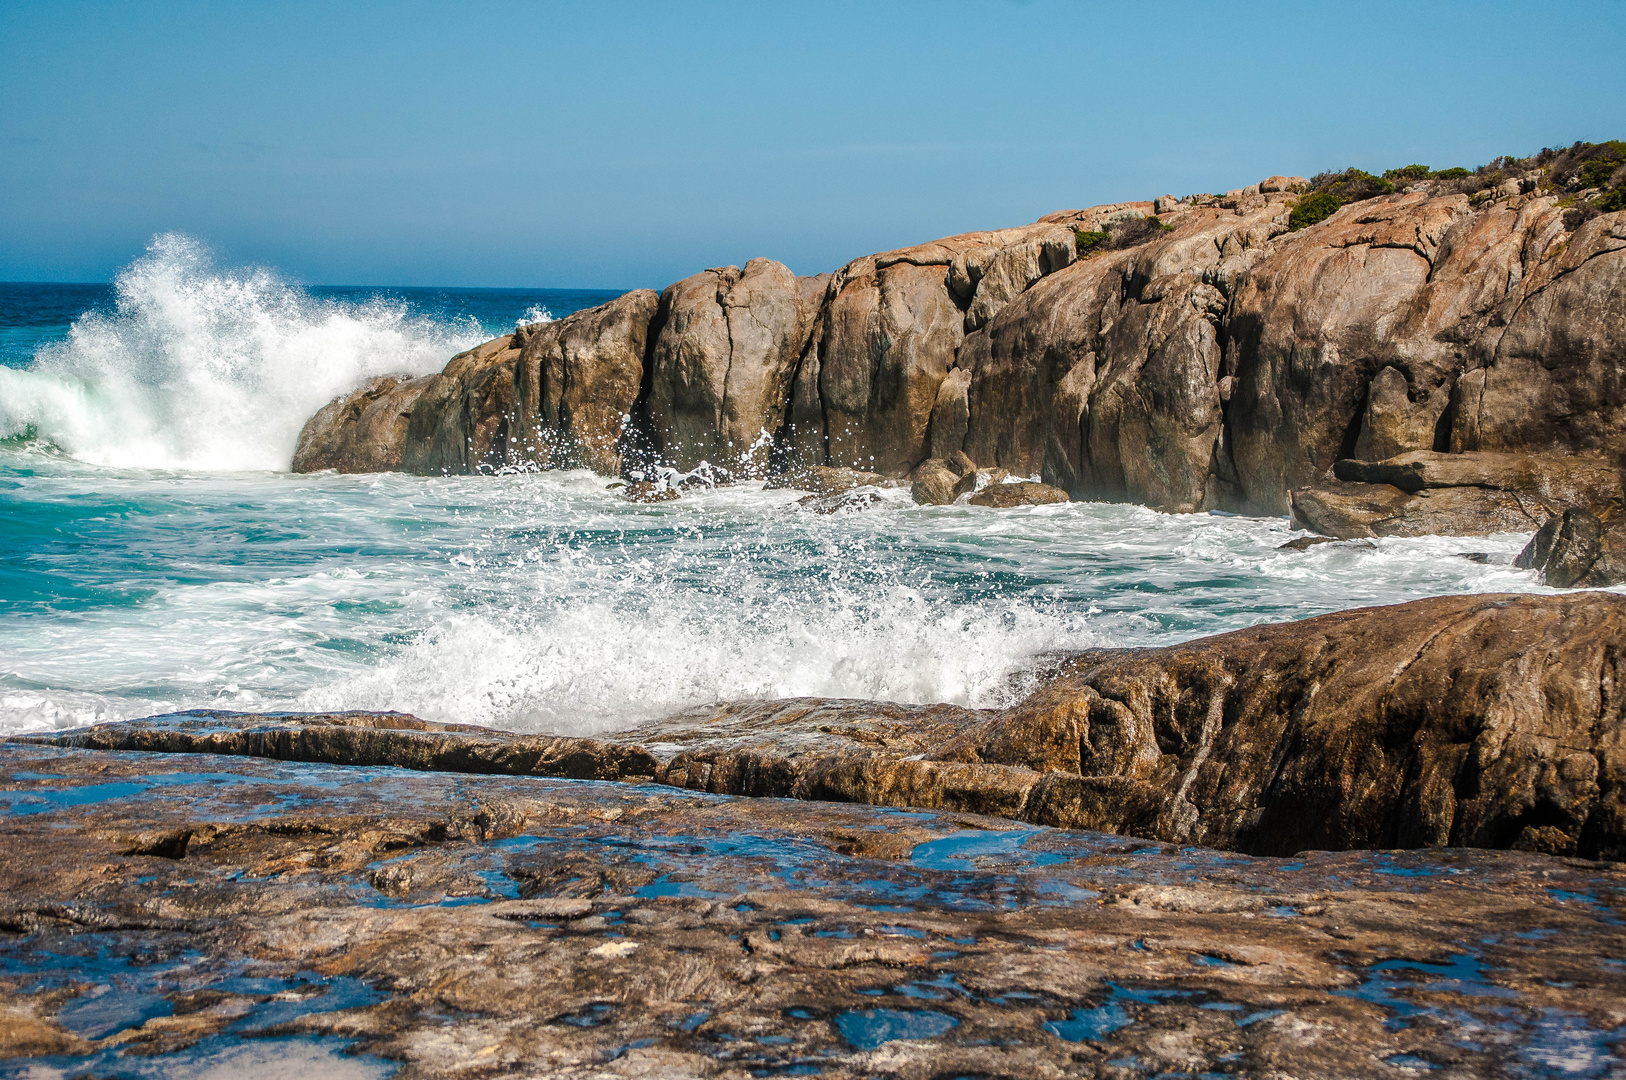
199,367
546,602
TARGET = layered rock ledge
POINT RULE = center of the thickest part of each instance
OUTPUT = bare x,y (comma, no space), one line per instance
1486,721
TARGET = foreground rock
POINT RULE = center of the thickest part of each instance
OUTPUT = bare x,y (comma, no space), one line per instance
1483,721
192,915
1210,358
1472,494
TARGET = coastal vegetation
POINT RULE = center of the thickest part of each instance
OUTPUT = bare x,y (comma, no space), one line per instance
1591,177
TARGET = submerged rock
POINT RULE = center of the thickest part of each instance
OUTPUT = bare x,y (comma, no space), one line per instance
359,921
1476,721
1305,543
856,499
824,480
650,491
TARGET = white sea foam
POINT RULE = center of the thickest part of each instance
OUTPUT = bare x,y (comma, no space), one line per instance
205,368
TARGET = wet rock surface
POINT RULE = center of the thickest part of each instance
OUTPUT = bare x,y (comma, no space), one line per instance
1018,493
1487,721
170,915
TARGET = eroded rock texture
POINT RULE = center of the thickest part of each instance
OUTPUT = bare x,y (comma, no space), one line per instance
722,365
1483,721
576,384
1217,361
192,915
1423,493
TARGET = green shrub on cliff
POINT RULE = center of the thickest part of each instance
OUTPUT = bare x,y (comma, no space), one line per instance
1351,185
1455,173
1089,242
1313,208
1408,173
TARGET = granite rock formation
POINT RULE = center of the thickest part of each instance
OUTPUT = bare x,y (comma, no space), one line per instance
191,915
1216,359
722,365
1482,721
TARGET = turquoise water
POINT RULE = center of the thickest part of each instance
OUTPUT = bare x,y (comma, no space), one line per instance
155,554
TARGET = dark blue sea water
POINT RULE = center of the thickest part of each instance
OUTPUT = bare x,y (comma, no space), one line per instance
35,314
155,553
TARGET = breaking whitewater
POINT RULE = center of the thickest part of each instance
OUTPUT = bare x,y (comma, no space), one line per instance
158,555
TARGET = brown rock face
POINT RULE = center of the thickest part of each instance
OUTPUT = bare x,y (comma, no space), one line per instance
1221,361
1481,721
460,420
1470,494
364,431
889,336
722,365
1021,493
1554,377
576,383
1577,550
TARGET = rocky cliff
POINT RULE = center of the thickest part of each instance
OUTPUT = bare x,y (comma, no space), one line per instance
1185,354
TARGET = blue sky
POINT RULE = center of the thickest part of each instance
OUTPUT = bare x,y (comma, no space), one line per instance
629,144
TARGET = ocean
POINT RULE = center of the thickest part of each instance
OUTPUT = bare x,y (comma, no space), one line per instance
156,554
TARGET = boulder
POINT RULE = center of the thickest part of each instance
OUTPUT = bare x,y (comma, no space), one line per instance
576,383
1577,550
1393,423
934,483
362,431
1021,493
722,365
1283,183
973,479
1469,494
